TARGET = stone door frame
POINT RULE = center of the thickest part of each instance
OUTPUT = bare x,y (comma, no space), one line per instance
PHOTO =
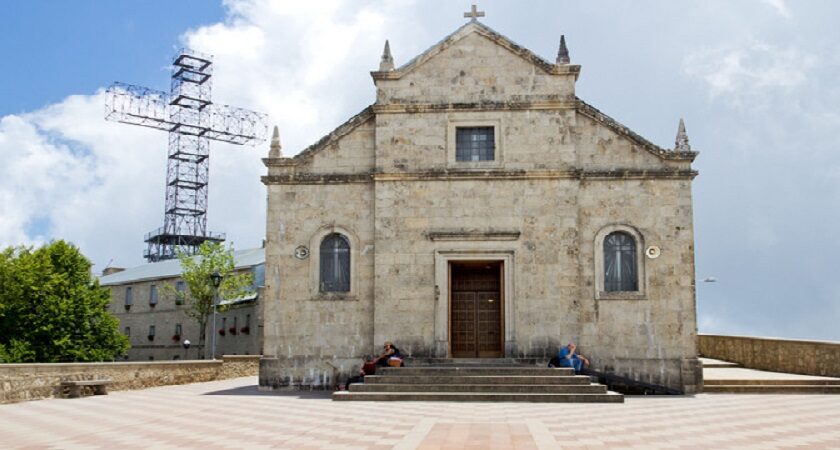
442,291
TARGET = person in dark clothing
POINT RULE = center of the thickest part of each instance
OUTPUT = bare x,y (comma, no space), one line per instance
368,368
390,353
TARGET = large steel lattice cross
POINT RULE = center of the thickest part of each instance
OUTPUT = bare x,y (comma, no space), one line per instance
192,120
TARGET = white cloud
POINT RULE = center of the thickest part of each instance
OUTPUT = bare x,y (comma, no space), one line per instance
306,64
780,6
37,173
745,73
101,184
82,176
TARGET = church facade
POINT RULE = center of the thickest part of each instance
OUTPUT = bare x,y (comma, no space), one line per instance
480,209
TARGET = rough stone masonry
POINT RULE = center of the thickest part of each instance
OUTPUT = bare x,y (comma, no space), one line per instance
562,178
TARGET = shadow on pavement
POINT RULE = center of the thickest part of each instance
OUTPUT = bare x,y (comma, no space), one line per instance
253,391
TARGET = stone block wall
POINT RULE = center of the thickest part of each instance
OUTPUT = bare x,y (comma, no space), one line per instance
310,330
21,382
305,372
777,355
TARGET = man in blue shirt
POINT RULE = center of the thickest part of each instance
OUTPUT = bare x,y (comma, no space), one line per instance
568,358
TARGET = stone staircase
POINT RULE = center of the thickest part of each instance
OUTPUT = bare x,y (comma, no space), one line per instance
478,382
727,377
765,386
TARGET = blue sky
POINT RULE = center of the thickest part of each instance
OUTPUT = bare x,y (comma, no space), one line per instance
55,48
756,81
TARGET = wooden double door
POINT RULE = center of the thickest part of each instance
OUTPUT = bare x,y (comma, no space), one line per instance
476,309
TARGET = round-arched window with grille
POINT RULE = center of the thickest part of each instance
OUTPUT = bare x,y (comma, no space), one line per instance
620,270
335,264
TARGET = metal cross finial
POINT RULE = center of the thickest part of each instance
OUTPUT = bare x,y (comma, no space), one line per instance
474,13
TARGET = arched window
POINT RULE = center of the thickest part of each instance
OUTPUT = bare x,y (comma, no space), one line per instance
620,271
335,264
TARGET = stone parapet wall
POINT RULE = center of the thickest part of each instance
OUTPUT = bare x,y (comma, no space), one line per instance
235,366
777,355
21,382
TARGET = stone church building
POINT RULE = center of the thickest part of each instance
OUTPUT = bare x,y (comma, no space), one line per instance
480,209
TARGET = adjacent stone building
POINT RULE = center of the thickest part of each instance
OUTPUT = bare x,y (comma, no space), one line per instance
480,209
157,327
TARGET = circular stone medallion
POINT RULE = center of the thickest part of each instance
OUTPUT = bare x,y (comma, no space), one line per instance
301,252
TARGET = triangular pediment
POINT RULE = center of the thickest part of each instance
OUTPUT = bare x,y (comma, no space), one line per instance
477,68
476,28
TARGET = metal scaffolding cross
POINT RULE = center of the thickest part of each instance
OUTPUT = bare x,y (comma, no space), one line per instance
192,120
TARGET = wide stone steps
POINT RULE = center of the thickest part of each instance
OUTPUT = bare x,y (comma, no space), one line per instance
476,379
766,382
773,386
479,383
730,378
475,371
610,397
772,389
592,388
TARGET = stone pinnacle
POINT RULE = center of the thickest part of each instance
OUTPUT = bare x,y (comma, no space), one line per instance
681,144
387,62
563,52
275,149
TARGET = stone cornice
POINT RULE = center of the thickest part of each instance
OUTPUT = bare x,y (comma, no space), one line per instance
279,162
477,175
312,178
607,121
473,235
336,134
495,175
413,108
639,175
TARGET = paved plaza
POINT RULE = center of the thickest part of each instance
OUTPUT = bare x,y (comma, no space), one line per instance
233,414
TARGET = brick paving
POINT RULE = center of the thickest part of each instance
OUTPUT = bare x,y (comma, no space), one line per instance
233,414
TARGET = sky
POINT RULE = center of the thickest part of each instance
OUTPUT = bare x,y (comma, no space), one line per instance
755,80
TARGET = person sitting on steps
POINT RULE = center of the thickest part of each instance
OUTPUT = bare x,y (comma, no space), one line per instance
368,368
567,357
391,356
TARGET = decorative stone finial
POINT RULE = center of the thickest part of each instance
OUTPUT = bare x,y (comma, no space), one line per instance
275,149
387,62
562,52
682,145
474,13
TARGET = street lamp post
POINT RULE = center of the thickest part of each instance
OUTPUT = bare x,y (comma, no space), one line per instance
216,278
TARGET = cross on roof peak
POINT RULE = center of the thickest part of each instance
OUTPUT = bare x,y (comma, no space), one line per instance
474,13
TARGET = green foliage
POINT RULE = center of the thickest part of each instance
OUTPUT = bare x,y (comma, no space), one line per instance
197,271
52,309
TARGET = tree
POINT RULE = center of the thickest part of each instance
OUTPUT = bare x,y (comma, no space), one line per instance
52,309
197,271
